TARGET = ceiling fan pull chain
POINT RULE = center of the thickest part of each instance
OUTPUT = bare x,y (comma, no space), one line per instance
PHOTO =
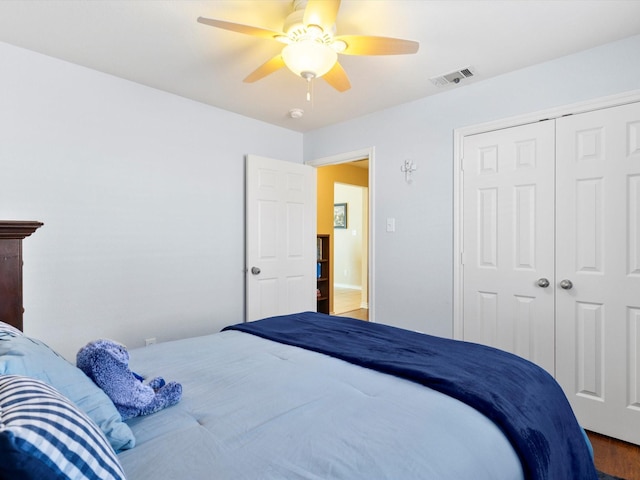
310,90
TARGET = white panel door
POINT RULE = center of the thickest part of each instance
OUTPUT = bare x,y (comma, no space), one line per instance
598,251
280,237
508,190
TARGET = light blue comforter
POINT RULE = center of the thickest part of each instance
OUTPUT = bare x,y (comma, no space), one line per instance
255,409
520,397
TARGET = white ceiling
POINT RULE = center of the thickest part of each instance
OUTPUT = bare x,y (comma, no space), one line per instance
159,43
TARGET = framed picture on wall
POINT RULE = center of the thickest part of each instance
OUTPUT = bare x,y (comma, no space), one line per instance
340,215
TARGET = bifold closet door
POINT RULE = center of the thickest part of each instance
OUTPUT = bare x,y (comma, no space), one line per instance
508,241
598,268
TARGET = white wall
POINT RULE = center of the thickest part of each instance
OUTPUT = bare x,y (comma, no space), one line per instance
141,195
141,192
414,265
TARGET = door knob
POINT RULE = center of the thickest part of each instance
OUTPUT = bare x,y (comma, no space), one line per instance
543,282
255,270
566,284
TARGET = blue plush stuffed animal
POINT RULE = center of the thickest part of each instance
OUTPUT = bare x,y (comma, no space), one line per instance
107,363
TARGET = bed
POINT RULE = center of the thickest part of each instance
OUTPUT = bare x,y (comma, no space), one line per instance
311,396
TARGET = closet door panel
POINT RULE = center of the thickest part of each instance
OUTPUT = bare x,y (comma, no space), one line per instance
508,240
597,245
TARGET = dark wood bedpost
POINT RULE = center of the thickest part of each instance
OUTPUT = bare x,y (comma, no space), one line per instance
11,234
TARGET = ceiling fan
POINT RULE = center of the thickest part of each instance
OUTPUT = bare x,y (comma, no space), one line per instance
311,47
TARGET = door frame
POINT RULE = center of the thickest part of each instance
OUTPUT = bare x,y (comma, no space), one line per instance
458,153
346,157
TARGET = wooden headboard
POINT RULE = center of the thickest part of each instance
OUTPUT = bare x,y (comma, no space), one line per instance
11,234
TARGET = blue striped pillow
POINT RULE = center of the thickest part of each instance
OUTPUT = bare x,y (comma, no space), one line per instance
5,328
44,435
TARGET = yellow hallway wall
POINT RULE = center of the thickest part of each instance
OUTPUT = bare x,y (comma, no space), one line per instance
326,178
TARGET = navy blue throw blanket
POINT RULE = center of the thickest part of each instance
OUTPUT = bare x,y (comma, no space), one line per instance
522,399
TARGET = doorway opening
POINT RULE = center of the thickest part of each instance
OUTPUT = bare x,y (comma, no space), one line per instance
345,181
350,246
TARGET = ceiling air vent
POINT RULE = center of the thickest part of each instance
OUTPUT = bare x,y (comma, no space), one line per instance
453,77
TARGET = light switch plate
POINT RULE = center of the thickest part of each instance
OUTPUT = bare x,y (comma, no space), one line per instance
391,224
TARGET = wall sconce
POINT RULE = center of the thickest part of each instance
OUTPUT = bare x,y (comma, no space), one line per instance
408,167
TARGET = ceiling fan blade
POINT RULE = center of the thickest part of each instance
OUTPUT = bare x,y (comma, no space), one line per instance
337,78
238,27
322,13
367,45
267,68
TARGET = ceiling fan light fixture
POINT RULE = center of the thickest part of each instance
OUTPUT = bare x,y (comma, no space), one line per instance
311,46
282,39
314,32
309,57
339,45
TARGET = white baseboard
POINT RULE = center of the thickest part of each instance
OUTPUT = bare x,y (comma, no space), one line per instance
349,287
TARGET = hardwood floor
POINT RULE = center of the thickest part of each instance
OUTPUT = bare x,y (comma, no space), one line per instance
615,457
360,314
347,303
